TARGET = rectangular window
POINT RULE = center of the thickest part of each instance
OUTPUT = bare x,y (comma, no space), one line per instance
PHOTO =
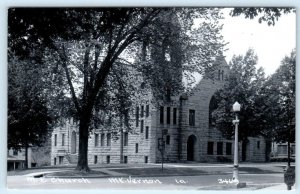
293,151
108,137
102,139
282,149
142,126
96,139
55,140
126,139
168,140
210,148
137,116
142,111
228,148
192,117
95,159
168,115
60,159
147,110
136,148
62,139
147,132
108,159
15,152
146,159
220,148
125,159
258,144
161,115
54,161
174,116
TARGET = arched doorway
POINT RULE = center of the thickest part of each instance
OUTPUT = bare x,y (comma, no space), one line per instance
73,143
191,147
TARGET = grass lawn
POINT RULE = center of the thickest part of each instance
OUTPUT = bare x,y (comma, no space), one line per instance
76,173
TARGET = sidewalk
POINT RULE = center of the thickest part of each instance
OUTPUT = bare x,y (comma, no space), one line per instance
278,188
170,169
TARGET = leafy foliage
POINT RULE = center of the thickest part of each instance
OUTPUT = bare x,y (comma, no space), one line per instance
280,92
28,115
87,49
244,86
265,14
267,104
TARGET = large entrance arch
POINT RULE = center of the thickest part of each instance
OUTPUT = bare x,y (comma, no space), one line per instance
73,143
191,148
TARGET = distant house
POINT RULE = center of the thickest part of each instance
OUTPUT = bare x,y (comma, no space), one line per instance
37,157
279,151
16,159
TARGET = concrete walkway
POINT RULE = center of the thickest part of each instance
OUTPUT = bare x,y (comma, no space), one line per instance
278,188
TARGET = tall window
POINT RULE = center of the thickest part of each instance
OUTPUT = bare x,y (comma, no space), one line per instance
222,75
95,159
220,148
126,139
174,116
125,159
192,117
142,126
62,139
147,110
60,159
102,139
228,148
108,137
161,115
142,111
136,148
168,115
147,132
258,144
168,140
146,159
108,159
96,139
137,116
210,148
212,106
55,140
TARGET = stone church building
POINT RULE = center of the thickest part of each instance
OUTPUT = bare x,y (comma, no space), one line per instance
181,128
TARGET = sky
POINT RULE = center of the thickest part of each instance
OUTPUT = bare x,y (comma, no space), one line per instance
270,43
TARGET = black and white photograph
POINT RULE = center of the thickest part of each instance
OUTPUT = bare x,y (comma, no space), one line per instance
151,98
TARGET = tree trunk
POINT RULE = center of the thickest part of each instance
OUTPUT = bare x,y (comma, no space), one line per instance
121,140
26,156
289,150
82,164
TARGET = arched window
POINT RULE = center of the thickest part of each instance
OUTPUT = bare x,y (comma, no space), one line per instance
212,106
73,143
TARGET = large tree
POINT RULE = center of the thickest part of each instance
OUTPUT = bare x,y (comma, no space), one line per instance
29,119
280,94
87,44
244,85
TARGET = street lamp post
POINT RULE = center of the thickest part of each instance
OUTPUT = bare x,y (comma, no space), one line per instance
236,108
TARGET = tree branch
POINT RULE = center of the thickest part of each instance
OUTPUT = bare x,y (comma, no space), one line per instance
72,90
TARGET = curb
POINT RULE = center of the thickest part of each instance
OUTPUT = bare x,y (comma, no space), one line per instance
127,175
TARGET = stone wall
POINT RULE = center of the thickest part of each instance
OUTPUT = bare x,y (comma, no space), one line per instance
176,149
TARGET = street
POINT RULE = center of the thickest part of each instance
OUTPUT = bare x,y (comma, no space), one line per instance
213,181
209,182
